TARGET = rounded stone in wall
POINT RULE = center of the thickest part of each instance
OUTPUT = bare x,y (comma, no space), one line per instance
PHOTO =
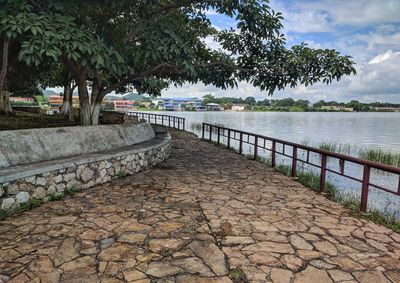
7,203
51,190
87,175
58,179
39,193
41,181
74,185
22,197
31,180
12,189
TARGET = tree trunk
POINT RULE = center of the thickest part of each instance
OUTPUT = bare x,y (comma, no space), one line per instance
5,105
84,102
96,113
96,99
66,107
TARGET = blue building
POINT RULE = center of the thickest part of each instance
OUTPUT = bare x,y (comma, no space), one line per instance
179,104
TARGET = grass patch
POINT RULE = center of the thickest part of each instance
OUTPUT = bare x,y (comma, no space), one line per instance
335,147
30,204
3,214
386,220
25,120
380,155
238,276
120,174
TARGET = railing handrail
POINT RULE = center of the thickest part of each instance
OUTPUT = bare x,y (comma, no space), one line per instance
161,119
324,154
159,115
360,161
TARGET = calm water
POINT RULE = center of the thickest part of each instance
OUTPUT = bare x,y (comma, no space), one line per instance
359,130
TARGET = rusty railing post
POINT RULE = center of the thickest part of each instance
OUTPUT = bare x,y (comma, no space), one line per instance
162,120
365,188
174,119
202,131
241,143
273,154
294,162
184,121
229,140
169,121
398,186
218,134
322,179
210,126
255,147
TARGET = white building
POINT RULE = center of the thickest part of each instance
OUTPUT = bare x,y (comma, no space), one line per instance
238,107
214,107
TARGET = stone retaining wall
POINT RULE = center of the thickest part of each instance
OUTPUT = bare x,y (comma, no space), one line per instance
54,183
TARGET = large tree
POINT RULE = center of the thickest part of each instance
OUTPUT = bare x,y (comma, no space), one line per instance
145,44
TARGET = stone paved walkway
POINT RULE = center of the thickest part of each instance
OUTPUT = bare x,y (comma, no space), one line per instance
204,215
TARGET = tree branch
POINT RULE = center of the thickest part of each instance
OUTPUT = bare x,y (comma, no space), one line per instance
160,69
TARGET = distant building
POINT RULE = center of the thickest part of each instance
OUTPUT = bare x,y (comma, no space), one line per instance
21,99
388,109
123,105
238,107
337,108
214,107
56,101
179,104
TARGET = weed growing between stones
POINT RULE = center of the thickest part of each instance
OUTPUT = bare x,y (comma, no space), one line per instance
120,174
3,214
238,276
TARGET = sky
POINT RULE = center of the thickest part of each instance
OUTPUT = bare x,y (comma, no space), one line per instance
367,30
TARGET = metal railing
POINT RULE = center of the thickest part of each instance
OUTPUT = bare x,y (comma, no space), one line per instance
160,119
291,150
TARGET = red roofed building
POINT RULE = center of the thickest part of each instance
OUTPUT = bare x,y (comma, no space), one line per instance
123,105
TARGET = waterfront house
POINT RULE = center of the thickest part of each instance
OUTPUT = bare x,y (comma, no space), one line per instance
123,105
56,101
179,104
337,108
214,107
386,109
238,107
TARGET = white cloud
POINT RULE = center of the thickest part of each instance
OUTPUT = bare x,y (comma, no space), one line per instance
302,21
356,12
381,57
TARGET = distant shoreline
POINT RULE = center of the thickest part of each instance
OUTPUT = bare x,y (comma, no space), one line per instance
252,111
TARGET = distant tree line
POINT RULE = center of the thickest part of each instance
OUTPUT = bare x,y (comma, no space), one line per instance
290,104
